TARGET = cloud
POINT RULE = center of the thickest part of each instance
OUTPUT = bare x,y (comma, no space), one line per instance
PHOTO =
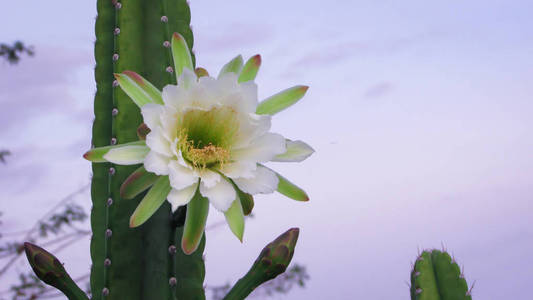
39,85
379,90
235,35
326,54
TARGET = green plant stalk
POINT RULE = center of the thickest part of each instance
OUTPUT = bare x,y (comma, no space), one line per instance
436,276
130,35
272,261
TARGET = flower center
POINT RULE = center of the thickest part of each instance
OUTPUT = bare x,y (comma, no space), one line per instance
205,137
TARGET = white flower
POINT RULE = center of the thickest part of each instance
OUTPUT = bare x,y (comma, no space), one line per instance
206,133
208,141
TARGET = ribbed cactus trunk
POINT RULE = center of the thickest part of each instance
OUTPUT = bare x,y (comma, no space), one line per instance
138,263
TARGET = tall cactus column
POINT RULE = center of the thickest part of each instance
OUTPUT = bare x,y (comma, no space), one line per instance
131,263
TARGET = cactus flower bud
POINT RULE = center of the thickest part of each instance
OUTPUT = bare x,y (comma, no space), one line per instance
48,268
276,256
272,261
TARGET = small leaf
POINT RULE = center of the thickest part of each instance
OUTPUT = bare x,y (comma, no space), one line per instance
151,202
97,154
140,90
235,219
296,151
250,69
280,101
137,182
181,54
127,155
234,65
195,219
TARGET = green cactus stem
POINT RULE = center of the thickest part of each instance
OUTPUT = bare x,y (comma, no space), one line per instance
273,261
48,268
436,276
131,35
190,270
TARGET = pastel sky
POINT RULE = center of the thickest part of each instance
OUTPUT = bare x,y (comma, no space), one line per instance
420,113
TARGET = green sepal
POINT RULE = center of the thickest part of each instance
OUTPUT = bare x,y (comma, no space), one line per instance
235,218
250,69
97,154
137,182
155,197
195,219
280,101
181,54
201,72
140,90
289,189
247,200
127,155
234,66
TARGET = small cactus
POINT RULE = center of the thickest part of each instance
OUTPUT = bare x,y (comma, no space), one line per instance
436,276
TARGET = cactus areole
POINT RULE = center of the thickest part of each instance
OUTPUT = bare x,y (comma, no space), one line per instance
205,138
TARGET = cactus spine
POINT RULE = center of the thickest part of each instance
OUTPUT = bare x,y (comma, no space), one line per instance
131,263
436,276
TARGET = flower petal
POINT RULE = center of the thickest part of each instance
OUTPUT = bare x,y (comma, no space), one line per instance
97,154
157,142
250,69
264,181
187,78
209,178
248,97
280,101
221,195
151,113
261,149
140,90
235,219
180,176
195,219
234,66
239,169
156,163
181,197
296,151
151,202
127,155
252,126
181,54
136,183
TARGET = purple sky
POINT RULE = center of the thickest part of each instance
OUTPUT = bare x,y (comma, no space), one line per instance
420,115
